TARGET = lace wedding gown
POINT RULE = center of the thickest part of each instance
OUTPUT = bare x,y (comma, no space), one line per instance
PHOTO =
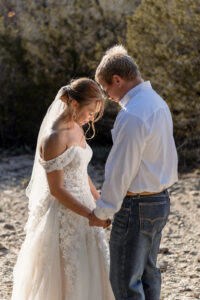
62,258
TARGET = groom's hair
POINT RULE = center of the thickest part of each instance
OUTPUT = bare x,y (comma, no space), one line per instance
116,61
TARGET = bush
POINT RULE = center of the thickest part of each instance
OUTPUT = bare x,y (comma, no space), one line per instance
44,44
164,38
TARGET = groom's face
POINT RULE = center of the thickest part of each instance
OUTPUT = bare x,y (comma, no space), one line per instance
113,90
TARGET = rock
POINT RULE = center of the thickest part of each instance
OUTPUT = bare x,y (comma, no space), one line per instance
9,227
186,289
193,275
8,192
3,251
2,247
163,266
175,236
164,250
194,193
186,251
5,235
8,281
185,202
193,253
196,295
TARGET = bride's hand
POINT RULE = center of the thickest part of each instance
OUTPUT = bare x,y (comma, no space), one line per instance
107,223
94,221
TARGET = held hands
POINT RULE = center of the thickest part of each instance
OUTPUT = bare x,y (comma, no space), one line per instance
94,221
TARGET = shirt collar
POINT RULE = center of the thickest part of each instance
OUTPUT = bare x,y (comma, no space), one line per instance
131,93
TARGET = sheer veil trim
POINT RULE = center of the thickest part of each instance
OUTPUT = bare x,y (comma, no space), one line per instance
39,256
37,188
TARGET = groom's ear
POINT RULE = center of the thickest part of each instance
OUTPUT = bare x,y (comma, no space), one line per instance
117,80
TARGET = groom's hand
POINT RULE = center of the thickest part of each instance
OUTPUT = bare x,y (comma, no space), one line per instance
94,221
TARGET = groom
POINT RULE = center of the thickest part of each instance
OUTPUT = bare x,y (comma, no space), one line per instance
141,166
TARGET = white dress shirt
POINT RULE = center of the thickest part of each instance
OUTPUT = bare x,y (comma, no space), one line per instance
143,157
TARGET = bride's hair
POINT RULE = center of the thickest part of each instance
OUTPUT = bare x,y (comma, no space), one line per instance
84,91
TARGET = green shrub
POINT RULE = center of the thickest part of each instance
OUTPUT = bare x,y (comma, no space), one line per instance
164,38
44,45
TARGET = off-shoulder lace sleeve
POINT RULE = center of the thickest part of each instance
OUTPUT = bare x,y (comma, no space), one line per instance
59,162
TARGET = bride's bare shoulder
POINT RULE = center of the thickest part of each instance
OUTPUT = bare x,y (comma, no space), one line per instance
52,145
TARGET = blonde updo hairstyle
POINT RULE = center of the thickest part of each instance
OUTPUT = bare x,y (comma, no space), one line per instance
84,91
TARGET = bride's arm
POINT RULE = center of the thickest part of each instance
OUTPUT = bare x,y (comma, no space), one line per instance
55,181
52,147
93,189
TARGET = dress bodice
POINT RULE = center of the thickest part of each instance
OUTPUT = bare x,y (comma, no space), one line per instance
74,162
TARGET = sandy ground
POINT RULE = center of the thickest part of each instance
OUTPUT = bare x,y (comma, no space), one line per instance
179,257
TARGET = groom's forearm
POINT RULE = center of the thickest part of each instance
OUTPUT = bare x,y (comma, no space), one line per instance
104,210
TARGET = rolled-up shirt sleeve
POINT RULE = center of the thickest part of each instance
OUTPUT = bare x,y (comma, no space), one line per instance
122,164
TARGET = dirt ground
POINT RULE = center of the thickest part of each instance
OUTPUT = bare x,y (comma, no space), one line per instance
179,257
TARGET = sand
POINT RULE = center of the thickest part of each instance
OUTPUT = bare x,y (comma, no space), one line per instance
179,257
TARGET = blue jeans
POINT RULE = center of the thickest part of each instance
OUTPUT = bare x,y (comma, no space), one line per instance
134,244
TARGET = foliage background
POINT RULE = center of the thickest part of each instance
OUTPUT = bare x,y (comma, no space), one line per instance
43,44
164,38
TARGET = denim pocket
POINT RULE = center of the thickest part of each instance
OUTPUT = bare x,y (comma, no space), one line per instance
153,216
121,223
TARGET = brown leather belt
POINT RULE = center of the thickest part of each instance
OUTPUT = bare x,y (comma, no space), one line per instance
143,193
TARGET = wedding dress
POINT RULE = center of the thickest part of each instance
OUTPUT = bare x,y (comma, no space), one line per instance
62,257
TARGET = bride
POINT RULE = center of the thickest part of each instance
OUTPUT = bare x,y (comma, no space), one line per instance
62,257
